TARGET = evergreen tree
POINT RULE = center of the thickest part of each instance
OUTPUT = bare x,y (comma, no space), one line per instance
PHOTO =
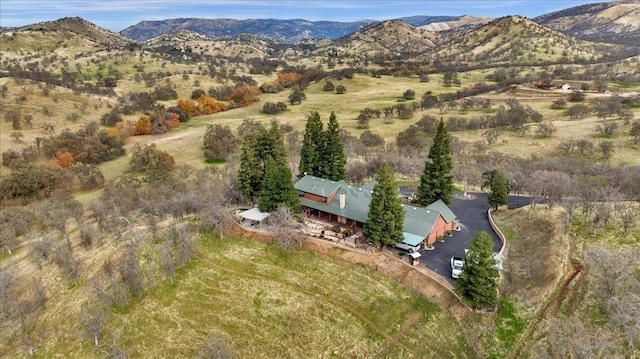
335,163
256,150
312,147
436,181
386,216
477,283
250,171
270,143
499,190
277,188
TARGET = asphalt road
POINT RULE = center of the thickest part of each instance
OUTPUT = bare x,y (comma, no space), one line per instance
472,218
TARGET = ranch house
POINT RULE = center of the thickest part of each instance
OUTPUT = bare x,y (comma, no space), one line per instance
348,205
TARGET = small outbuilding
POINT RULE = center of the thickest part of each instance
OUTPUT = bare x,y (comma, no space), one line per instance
253,218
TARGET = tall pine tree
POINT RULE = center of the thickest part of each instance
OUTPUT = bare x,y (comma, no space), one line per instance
499,190
256,150
277,188
385,222
436,181
250,171
477,283
334,167
312,147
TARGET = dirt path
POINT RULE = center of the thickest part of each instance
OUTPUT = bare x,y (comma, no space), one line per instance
562,290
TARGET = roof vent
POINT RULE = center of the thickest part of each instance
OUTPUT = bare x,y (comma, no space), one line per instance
428,211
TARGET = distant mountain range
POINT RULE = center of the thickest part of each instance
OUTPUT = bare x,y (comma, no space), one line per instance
551,37
284,30
614,22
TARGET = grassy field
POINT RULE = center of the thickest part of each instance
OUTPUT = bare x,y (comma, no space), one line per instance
270,304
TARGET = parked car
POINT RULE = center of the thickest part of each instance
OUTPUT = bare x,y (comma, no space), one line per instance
407,247
456,266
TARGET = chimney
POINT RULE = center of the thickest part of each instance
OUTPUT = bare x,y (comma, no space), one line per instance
343,199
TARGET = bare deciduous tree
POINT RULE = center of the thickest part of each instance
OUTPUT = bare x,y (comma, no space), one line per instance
92,318
288,228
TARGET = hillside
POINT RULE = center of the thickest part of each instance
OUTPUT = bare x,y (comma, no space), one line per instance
243,45
459,23
394,37
116,237
615,22
517,40
293,30
288,30
78,26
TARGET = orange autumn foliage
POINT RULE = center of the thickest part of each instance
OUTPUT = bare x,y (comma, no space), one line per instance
189,107
208,105
142,126
114,132
126,129
288,79
173,120
63,159
244,95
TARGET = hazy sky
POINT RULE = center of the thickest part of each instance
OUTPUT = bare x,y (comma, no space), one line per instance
116,15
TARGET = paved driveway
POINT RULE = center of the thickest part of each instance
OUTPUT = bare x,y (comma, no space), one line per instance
472,217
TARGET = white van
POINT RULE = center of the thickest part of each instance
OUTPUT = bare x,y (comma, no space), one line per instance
407,247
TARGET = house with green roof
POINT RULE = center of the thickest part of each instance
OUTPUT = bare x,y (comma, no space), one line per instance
348,205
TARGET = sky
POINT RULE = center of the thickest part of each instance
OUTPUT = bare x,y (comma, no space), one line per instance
117,15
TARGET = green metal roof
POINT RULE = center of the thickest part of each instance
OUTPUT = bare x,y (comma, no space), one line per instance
418,221
357,200
317,186
412,239
445,211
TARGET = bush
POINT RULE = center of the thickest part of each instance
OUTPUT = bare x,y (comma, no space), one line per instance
271,108
149,158
409,95
328,86
111,118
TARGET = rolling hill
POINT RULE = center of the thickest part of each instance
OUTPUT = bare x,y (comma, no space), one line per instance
459,23
517,40
79,26
391,37
614,22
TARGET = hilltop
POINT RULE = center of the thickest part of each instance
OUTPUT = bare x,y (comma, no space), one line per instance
517,40
394,37
78,26
615,22
459,23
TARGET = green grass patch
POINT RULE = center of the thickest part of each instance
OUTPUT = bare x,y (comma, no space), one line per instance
508,324
272,304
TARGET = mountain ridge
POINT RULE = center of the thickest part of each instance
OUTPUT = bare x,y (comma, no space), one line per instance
292,30
615,22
